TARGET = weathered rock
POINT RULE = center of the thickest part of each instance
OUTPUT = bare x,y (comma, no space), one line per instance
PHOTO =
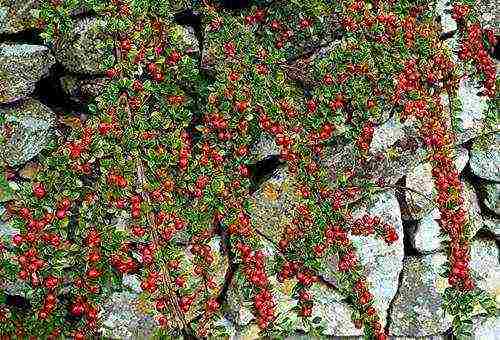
416,309
390,132
188,38
124,318
426,237
80,52
30,122
21,67
485,161
472,117
265,147
443,9
486,328
492,225
492,196
16,15
387,166
484,263
274,203
335,314
133,282
420,179
488,14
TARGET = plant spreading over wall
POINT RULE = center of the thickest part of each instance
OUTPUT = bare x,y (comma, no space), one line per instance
167,145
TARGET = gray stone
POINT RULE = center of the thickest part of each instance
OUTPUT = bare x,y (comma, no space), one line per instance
485,266
133,282
420,179
472,117
492,225
188,37
81,51
492,196
486,328
426,238
124,320
335,314
443,9
21,67
265,147
272,205
387,134
416,309
17,15
30,123
82,90
485,161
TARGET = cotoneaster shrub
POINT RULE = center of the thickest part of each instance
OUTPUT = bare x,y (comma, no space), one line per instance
167,147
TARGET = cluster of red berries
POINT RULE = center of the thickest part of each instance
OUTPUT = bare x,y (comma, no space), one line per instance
368,225
255,272
135,206
453,218
472,48
77,147
365,138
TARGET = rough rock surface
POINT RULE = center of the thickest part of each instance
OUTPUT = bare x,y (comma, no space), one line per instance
124,317
416,309
16,15
82,90
484,262
472,116
30,122
485,162
492,196
273,204
383,263
21,67
81,53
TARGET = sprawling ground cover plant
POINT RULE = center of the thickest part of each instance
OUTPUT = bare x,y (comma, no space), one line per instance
166,148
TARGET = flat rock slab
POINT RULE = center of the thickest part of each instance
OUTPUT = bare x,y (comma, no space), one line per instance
29,122
417,306
21,67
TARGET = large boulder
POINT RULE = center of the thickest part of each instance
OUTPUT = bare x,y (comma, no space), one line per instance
21,67
29,123
416,309
383,263
82,50
485,160
491,193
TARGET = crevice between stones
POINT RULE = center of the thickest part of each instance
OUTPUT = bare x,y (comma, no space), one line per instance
233,266
263,170
31,37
